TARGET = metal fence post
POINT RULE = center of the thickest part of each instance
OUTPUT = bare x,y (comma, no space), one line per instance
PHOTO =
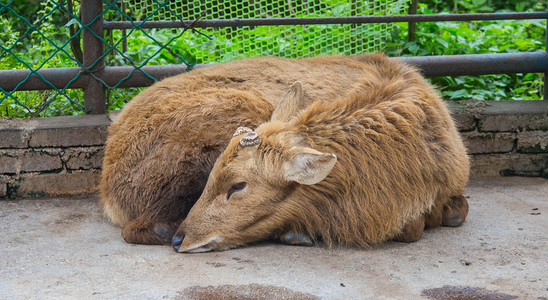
412,27
93,50
546,72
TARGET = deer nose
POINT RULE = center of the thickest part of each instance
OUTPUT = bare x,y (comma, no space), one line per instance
177,240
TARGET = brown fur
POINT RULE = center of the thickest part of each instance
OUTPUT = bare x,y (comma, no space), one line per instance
163,145
400,165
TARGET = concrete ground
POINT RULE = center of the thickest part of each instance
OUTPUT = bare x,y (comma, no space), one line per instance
61,248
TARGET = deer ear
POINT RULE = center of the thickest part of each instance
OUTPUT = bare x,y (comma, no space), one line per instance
309,166
290,104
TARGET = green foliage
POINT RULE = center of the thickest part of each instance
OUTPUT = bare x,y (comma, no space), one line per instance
24,47
42,103
479,6
448,38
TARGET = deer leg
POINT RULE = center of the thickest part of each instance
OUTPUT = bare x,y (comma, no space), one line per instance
412,231
151,228
455,211
147,232
292,238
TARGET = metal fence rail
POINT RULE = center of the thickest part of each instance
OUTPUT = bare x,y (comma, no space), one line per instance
329,20
450,65
94,77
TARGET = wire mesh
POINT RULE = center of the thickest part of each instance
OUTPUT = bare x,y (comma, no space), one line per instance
30,38
46,34
225,44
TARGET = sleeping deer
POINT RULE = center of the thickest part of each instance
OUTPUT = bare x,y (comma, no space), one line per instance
381,161
163,145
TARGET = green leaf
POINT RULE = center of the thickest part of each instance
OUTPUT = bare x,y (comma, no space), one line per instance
443,42
529,76
72,21
460,94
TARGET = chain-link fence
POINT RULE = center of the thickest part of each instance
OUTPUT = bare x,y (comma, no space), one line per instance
32,37
62,47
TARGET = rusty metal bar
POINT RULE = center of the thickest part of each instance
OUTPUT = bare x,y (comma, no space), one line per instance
481,64
412,27
454,65
546,71
60,77
217,23
93,50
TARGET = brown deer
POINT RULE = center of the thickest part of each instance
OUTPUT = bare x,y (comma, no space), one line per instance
164,143
380,162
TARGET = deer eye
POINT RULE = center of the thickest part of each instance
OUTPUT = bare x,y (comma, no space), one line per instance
235,188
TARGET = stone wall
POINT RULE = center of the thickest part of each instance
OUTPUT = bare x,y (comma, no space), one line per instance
63,155
505,138
51,156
